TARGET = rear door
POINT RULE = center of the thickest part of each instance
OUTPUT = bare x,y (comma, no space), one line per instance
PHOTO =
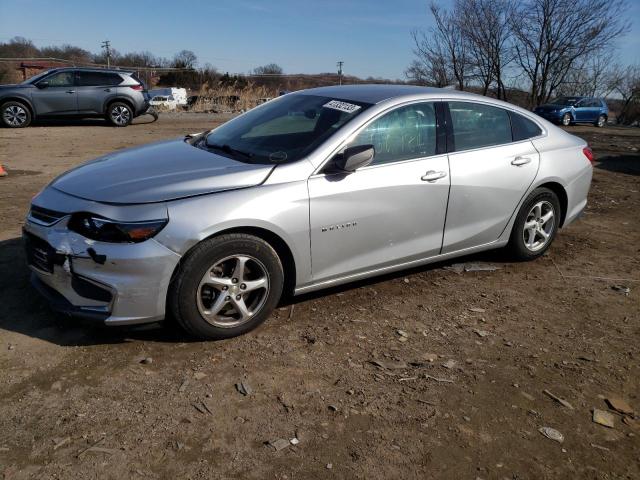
585,110
389,212
94,89
490,172
59,97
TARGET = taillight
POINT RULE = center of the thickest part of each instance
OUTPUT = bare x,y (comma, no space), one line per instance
137,88
589,154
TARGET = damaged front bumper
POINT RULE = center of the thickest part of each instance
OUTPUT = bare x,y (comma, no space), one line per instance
113,283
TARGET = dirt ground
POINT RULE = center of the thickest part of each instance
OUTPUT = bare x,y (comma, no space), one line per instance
463,358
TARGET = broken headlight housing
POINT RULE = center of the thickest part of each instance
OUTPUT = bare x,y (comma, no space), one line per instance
103,229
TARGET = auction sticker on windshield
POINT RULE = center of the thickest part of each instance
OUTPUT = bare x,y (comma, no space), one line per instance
342,106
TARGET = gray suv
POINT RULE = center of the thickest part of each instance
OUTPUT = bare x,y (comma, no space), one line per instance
74,92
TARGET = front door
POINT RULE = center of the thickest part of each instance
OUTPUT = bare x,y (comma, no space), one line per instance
489,173
59,97
389,212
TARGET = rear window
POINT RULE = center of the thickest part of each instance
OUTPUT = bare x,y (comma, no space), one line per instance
523,128
476,125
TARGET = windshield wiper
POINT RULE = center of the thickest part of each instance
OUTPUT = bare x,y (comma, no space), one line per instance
228,149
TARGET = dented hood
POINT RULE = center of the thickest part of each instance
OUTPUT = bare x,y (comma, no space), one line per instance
158,172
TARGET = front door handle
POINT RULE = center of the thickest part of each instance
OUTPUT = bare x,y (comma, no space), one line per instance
432,176
107,89
519,161
71,91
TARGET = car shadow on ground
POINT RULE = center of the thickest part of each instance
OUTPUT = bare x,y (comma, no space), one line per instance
628,164
23,311
87,122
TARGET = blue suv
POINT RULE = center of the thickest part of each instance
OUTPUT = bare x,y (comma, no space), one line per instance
569,110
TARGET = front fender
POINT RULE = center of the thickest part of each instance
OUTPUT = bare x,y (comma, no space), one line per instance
281,209
20,97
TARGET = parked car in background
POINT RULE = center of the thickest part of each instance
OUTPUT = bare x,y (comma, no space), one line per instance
570,110
311,190
117,95
164,102
179,94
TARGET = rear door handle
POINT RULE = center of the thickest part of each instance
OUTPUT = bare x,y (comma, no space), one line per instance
432,176
71,91
519,161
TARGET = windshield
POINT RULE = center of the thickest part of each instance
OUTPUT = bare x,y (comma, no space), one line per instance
36,77
282,130
566,101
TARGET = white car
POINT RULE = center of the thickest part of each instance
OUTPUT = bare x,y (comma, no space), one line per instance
166,103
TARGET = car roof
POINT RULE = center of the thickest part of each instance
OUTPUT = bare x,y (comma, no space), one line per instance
369,93
90,69
376,93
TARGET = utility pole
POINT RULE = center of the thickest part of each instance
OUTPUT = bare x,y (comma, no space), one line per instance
340,63
107,46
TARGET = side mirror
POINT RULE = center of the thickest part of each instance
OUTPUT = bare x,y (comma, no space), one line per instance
42,84
354,157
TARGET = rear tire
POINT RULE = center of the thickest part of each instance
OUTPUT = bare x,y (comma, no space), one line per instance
566,119
119,114
226,286
536,225
15,115
601,122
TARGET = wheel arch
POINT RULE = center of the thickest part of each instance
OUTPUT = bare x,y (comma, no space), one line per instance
277,243
25,101
561,193
125,100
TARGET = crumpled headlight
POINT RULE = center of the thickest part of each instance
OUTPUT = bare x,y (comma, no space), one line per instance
103,229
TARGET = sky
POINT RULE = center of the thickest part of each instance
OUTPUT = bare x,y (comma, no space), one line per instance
303,36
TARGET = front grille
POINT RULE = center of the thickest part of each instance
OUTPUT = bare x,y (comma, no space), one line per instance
44,215
40,254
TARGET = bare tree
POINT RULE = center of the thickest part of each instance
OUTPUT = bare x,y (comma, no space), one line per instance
486,25
597,75
429,70
185,59
441,51
269,69
552,36
628,88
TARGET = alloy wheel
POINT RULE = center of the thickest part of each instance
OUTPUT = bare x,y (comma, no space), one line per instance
232,291
15,115
539,225
601,121
566,120
120,115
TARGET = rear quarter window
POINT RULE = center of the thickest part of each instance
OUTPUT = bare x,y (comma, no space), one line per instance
522,128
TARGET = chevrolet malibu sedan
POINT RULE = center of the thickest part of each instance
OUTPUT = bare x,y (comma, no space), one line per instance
310,190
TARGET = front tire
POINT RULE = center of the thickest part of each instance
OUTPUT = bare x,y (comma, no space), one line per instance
536,225
15,115
119,114
566,119
226,286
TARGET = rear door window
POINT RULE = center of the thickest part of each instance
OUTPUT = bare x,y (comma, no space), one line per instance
476,125
402,134
98,79
522,128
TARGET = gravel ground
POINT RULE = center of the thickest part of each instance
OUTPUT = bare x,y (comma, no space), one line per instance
431,373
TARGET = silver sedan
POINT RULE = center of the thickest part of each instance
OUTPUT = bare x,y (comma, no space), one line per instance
313,189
